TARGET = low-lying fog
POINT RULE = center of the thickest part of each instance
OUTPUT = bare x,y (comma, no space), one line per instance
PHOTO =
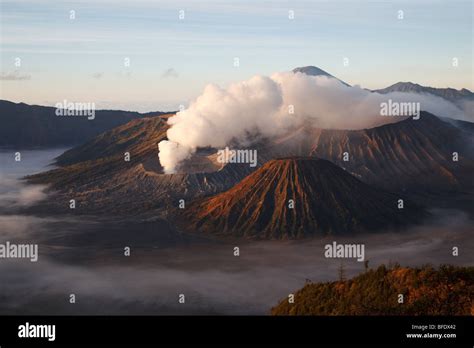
85,257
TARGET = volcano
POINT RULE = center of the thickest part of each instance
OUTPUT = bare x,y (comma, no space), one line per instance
299,197
315,71
412,158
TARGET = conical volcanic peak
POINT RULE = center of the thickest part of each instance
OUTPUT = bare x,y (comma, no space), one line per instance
299,197
315,71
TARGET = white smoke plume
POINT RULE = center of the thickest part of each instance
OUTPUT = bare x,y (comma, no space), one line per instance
261,106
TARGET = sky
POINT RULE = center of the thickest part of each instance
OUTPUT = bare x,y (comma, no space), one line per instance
172,59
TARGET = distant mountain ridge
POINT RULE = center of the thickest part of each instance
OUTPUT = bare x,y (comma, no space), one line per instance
27,126
453,95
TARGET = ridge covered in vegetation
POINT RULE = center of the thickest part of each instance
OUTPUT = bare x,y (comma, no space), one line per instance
448,290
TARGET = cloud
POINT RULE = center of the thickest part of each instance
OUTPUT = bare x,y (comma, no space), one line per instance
169,73
261,106
206,272
13,193
14,76
22,227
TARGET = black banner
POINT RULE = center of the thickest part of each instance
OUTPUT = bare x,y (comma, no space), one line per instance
133,331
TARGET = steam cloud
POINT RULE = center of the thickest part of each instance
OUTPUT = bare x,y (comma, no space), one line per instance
261,107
